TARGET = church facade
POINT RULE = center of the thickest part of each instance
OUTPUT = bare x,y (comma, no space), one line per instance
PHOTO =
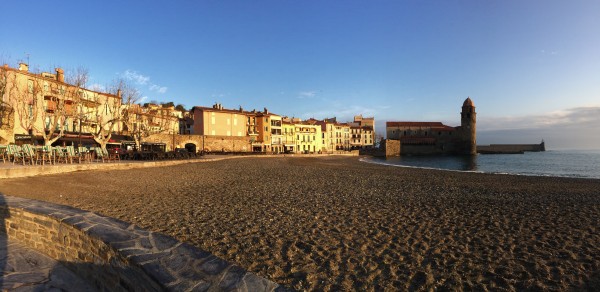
424,138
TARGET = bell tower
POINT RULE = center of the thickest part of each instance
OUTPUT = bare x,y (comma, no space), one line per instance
468,125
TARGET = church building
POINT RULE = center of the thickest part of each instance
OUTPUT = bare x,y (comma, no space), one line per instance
423,138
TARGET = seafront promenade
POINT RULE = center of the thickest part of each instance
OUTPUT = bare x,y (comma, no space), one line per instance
335,223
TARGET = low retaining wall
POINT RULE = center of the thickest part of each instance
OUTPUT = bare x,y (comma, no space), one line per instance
8,170
114,255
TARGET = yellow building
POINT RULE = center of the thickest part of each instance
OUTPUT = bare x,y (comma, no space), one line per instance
44,109
151,119
308,138
362,132
269,136
289,136
218,121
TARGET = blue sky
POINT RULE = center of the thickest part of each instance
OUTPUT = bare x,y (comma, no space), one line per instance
531,67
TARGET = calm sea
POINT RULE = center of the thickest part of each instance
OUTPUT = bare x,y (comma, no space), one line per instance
562,163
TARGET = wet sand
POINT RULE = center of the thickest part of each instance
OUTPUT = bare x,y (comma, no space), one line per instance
335,223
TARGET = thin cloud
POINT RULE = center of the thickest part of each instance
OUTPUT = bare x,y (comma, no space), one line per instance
573,117
141,79
136,77
307,94
159,89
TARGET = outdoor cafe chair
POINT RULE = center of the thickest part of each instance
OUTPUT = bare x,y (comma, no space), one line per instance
99,154
3,153
110,156
47,155
15,154
29,154
71,155
60,155
84,153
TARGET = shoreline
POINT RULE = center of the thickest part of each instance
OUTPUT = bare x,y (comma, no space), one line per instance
588,174
481,172
337,223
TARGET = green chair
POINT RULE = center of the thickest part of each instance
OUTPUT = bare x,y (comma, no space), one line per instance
15,154
84,153
47,154
60,155
99,154
71,155
29,154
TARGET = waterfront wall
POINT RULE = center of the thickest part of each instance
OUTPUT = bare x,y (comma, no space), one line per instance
391,148
113,255
510,148
208,143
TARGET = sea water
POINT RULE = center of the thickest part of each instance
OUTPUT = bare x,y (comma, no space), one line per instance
559,163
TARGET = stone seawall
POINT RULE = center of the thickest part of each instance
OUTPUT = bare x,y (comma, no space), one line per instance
113,255
510,148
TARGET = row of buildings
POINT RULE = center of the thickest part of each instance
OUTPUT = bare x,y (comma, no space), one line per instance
45,108
270,132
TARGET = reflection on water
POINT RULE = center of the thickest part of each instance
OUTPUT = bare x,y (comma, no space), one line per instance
464,163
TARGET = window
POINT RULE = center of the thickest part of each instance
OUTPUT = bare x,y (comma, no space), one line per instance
212,120
228,122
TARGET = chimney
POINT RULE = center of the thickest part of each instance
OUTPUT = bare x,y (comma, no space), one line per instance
60,75
23,67
119,93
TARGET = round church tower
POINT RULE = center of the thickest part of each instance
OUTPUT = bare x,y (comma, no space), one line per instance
468,127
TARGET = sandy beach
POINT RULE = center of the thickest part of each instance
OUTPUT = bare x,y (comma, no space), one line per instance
335,223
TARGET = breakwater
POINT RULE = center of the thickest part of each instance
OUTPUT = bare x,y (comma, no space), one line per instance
510,148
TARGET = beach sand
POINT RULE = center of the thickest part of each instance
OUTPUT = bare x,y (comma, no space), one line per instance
335,223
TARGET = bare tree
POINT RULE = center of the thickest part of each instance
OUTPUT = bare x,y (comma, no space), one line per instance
6,109
112,110
42,107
